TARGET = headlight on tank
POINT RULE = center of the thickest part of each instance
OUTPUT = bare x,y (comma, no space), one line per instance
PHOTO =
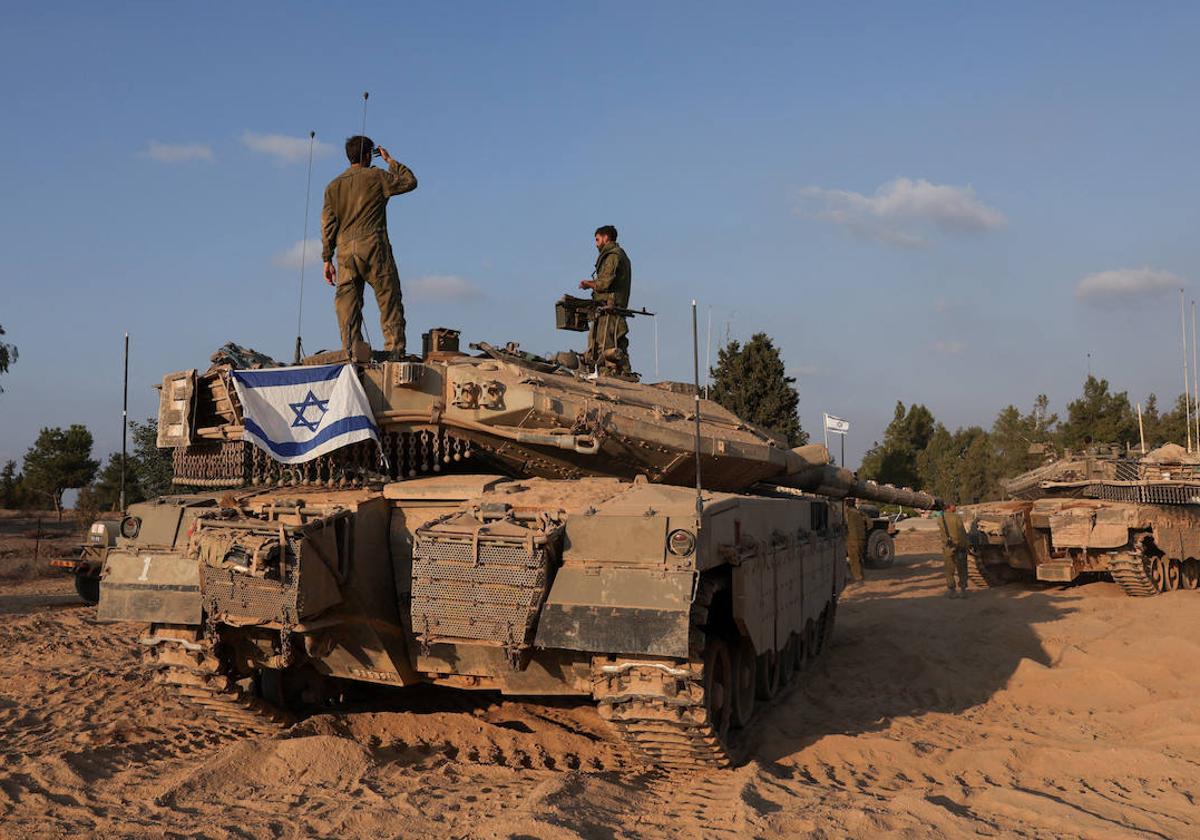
130,526
98,534
681,543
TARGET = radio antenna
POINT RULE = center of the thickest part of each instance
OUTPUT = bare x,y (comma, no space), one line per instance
696,384
312,138
362,144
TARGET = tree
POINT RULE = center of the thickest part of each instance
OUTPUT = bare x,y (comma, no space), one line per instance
59,460
1099,417
1016,437
895,460
151,465
752,382
1168,427
8,355
959,467
10,486
106,490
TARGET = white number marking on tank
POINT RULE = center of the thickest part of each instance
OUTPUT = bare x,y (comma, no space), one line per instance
145,575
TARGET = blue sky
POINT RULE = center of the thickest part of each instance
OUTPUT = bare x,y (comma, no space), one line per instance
916,201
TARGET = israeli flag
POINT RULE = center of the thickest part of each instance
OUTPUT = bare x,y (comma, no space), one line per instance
296,414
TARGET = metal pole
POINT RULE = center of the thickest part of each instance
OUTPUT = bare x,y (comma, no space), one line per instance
124,422
312,138
825,429
842,463
696,382
1187,388
1195,381
1141,429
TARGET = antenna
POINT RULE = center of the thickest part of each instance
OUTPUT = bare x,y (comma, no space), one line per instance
363,133
696,382
312,137
1187,387
1195,380
124,422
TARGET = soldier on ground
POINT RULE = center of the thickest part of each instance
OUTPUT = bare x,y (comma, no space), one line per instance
856,539
354,225
954,550
608,340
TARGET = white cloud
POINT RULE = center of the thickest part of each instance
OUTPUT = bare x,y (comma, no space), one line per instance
1126,285
177,152
903,211
310,250
442,287
949,348
283,148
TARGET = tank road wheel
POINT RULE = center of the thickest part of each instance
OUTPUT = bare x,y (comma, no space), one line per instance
881,550
743,683
787,662
719,687
88,588
1191,574
767,683
1158,573
825,628
1174,578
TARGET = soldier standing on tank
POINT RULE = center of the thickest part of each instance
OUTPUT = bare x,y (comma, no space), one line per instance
954,551
608,340
856,539
354,225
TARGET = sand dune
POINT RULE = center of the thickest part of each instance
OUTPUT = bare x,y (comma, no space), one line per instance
1053,712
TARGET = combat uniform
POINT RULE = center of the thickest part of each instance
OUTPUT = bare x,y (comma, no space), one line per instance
954,549
613,277
354,225
856,541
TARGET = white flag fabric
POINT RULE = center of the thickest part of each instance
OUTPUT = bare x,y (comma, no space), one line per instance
836,424
295,414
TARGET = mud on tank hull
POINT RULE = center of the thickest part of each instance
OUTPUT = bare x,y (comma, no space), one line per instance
261,603
1145,548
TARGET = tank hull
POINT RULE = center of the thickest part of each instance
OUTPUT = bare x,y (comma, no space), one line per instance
673,623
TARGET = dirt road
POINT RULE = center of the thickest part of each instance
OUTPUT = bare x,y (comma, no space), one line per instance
1033,713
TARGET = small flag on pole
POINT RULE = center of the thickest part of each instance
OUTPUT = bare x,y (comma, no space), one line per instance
295,414
836,425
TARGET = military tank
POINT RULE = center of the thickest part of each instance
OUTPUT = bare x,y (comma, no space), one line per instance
1103,512
530,530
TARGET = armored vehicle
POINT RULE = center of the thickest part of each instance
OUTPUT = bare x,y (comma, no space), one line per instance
1135,519
881,537
531,530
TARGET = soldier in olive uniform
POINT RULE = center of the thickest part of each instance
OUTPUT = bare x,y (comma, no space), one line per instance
954,550
856,539
354,225
608,340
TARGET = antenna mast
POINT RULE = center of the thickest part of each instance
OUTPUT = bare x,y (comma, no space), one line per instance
312,137
696,382
1187,387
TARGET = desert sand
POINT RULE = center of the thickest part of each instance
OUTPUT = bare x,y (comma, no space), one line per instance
1018,712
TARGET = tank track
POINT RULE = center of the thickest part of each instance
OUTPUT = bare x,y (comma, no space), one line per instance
192,668
670,727
673,732
1131,573
981,575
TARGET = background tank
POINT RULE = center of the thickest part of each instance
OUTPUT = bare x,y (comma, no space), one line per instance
1136,519
536,533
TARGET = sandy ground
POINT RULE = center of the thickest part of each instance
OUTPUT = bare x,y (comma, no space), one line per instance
1064,712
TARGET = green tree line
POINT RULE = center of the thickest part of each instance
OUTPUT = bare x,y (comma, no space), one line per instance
61,459
967,465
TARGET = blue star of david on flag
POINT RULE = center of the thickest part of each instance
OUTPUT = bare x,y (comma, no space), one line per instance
295,414
310,401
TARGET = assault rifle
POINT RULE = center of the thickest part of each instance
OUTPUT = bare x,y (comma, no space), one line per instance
577,314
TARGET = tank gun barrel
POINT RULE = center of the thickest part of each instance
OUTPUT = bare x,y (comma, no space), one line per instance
809,470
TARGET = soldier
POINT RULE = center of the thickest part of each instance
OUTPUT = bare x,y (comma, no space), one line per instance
856,539
954,550
354,225
608,340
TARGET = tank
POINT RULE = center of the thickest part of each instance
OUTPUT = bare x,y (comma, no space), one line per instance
534,531
1132,518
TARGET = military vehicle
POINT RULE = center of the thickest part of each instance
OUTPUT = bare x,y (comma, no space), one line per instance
881,537
1133,518
85,569
532,530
